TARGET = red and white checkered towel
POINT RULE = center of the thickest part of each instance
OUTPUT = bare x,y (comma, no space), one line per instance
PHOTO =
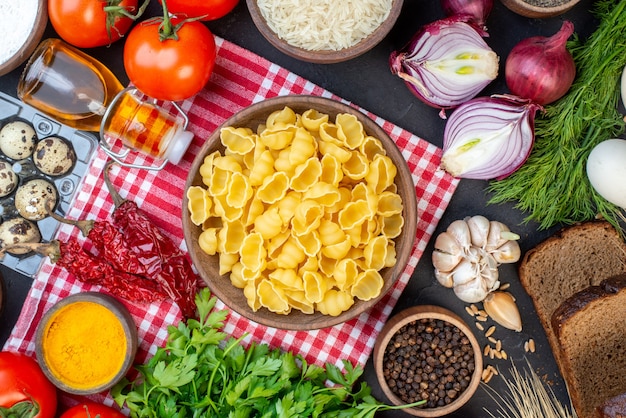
240,78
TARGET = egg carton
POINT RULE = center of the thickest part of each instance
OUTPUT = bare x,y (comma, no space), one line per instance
84,144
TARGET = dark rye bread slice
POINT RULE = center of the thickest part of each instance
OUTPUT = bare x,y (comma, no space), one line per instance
574,258
590,328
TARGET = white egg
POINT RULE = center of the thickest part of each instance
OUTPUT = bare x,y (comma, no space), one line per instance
606,170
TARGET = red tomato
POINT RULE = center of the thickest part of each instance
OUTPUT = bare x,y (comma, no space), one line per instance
23,385
90,409
211,9
170,69
83,23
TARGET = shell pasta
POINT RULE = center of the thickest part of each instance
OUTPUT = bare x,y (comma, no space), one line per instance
302,213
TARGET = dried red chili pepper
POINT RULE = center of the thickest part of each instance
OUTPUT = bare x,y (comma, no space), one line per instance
91,269
162,259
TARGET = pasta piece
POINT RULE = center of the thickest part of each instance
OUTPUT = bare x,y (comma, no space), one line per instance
328,133
329,148
290,255
252,210
326,264
273,188
225,211
199,204
310,243
297,300
306,175
312,119
227,163
332,172
345,273
314,286
381,174
231,237
375,252
353,214
323,193
363,233
239,191
330,232
208,241
263,167
307,217
288,278
338,250
284,116
268,224
250,292
227,261
238,140
367,285
273,297
288,205
206,168
364,192
392,225
236,276
302,148
389,204
357,166
218,182
391,259
252,252
335,302
371,147
350,130
278,137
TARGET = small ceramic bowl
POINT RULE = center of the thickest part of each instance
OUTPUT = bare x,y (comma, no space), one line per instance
324,56
26,37
417,330
525,8
209,266
86,343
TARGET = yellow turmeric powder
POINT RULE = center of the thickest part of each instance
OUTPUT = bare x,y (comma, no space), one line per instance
84,345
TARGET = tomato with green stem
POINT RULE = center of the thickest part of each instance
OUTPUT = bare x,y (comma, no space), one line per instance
25,391
203,9
89,409
169,58
93,23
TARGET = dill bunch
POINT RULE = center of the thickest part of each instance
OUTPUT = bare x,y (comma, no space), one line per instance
552,185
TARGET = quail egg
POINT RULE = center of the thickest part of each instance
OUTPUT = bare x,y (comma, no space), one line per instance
8,179
17,140
18,231
54,156
33,198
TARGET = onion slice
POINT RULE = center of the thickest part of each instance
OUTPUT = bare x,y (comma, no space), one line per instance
479,10
489,137
446,63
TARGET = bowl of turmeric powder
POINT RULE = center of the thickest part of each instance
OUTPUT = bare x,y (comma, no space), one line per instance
86,343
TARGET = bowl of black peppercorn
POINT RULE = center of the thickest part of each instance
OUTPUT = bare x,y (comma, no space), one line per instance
428,353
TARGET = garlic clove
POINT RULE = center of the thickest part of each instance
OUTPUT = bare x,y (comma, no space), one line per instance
447,243
465,272
508,253
501,307
444,278
499,234
471,292
460,231
479,230
445,262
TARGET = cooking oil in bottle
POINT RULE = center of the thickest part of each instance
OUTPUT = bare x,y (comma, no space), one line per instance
68,85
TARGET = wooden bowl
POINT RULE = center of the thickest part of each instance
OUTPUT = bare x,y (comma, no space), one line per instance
29,42
327,56
523,8
208,265
418,313
65,317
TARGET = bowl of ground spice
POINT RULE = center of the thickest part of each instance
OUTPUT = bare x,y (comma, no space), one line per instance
428,353
86,343
324,31
22,24
539,8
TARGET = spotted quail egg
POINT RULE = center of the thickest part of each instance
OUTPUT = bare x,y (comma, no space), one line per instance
33,198
18,231
17,140
54,156
8,179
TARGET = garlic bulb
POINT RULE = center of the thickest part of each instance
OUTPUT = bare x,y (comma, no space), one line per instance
468,253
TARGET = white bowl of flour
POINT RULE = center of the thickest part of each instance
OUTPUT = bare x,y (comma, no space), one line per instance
22,24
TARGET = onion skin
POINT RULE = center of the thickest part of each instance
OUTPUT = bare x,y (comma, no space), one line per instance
479,10
446,63
541,68
489,137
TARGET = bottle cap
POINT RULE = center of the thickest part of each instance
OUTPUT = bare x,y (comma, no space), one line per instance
178,147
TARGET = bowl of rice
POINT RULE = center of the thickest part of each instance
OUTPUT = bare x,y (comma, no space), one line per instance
22,25
324,31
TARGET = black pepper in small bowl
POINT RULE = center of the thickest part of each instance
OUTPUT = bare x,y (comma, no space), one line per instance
428,353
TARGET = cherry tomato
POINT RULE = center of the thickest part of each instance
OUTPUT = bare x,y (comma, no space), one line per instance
170,69
210,9
90,409
23,386
84,23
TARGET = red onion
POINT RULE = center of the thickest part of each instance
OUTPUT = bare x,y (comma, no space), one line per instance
541,68
478,9
489,137
446,63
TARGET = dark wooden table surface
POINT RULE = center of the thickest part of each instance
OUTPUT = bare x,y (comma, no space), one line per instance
367,82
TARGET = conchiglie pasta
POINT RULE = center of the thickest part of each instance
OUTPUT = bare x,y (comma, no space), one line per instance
302,212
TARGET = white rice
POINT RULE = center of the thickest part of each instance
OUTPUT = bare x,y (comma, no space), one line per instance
324,24
17,19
